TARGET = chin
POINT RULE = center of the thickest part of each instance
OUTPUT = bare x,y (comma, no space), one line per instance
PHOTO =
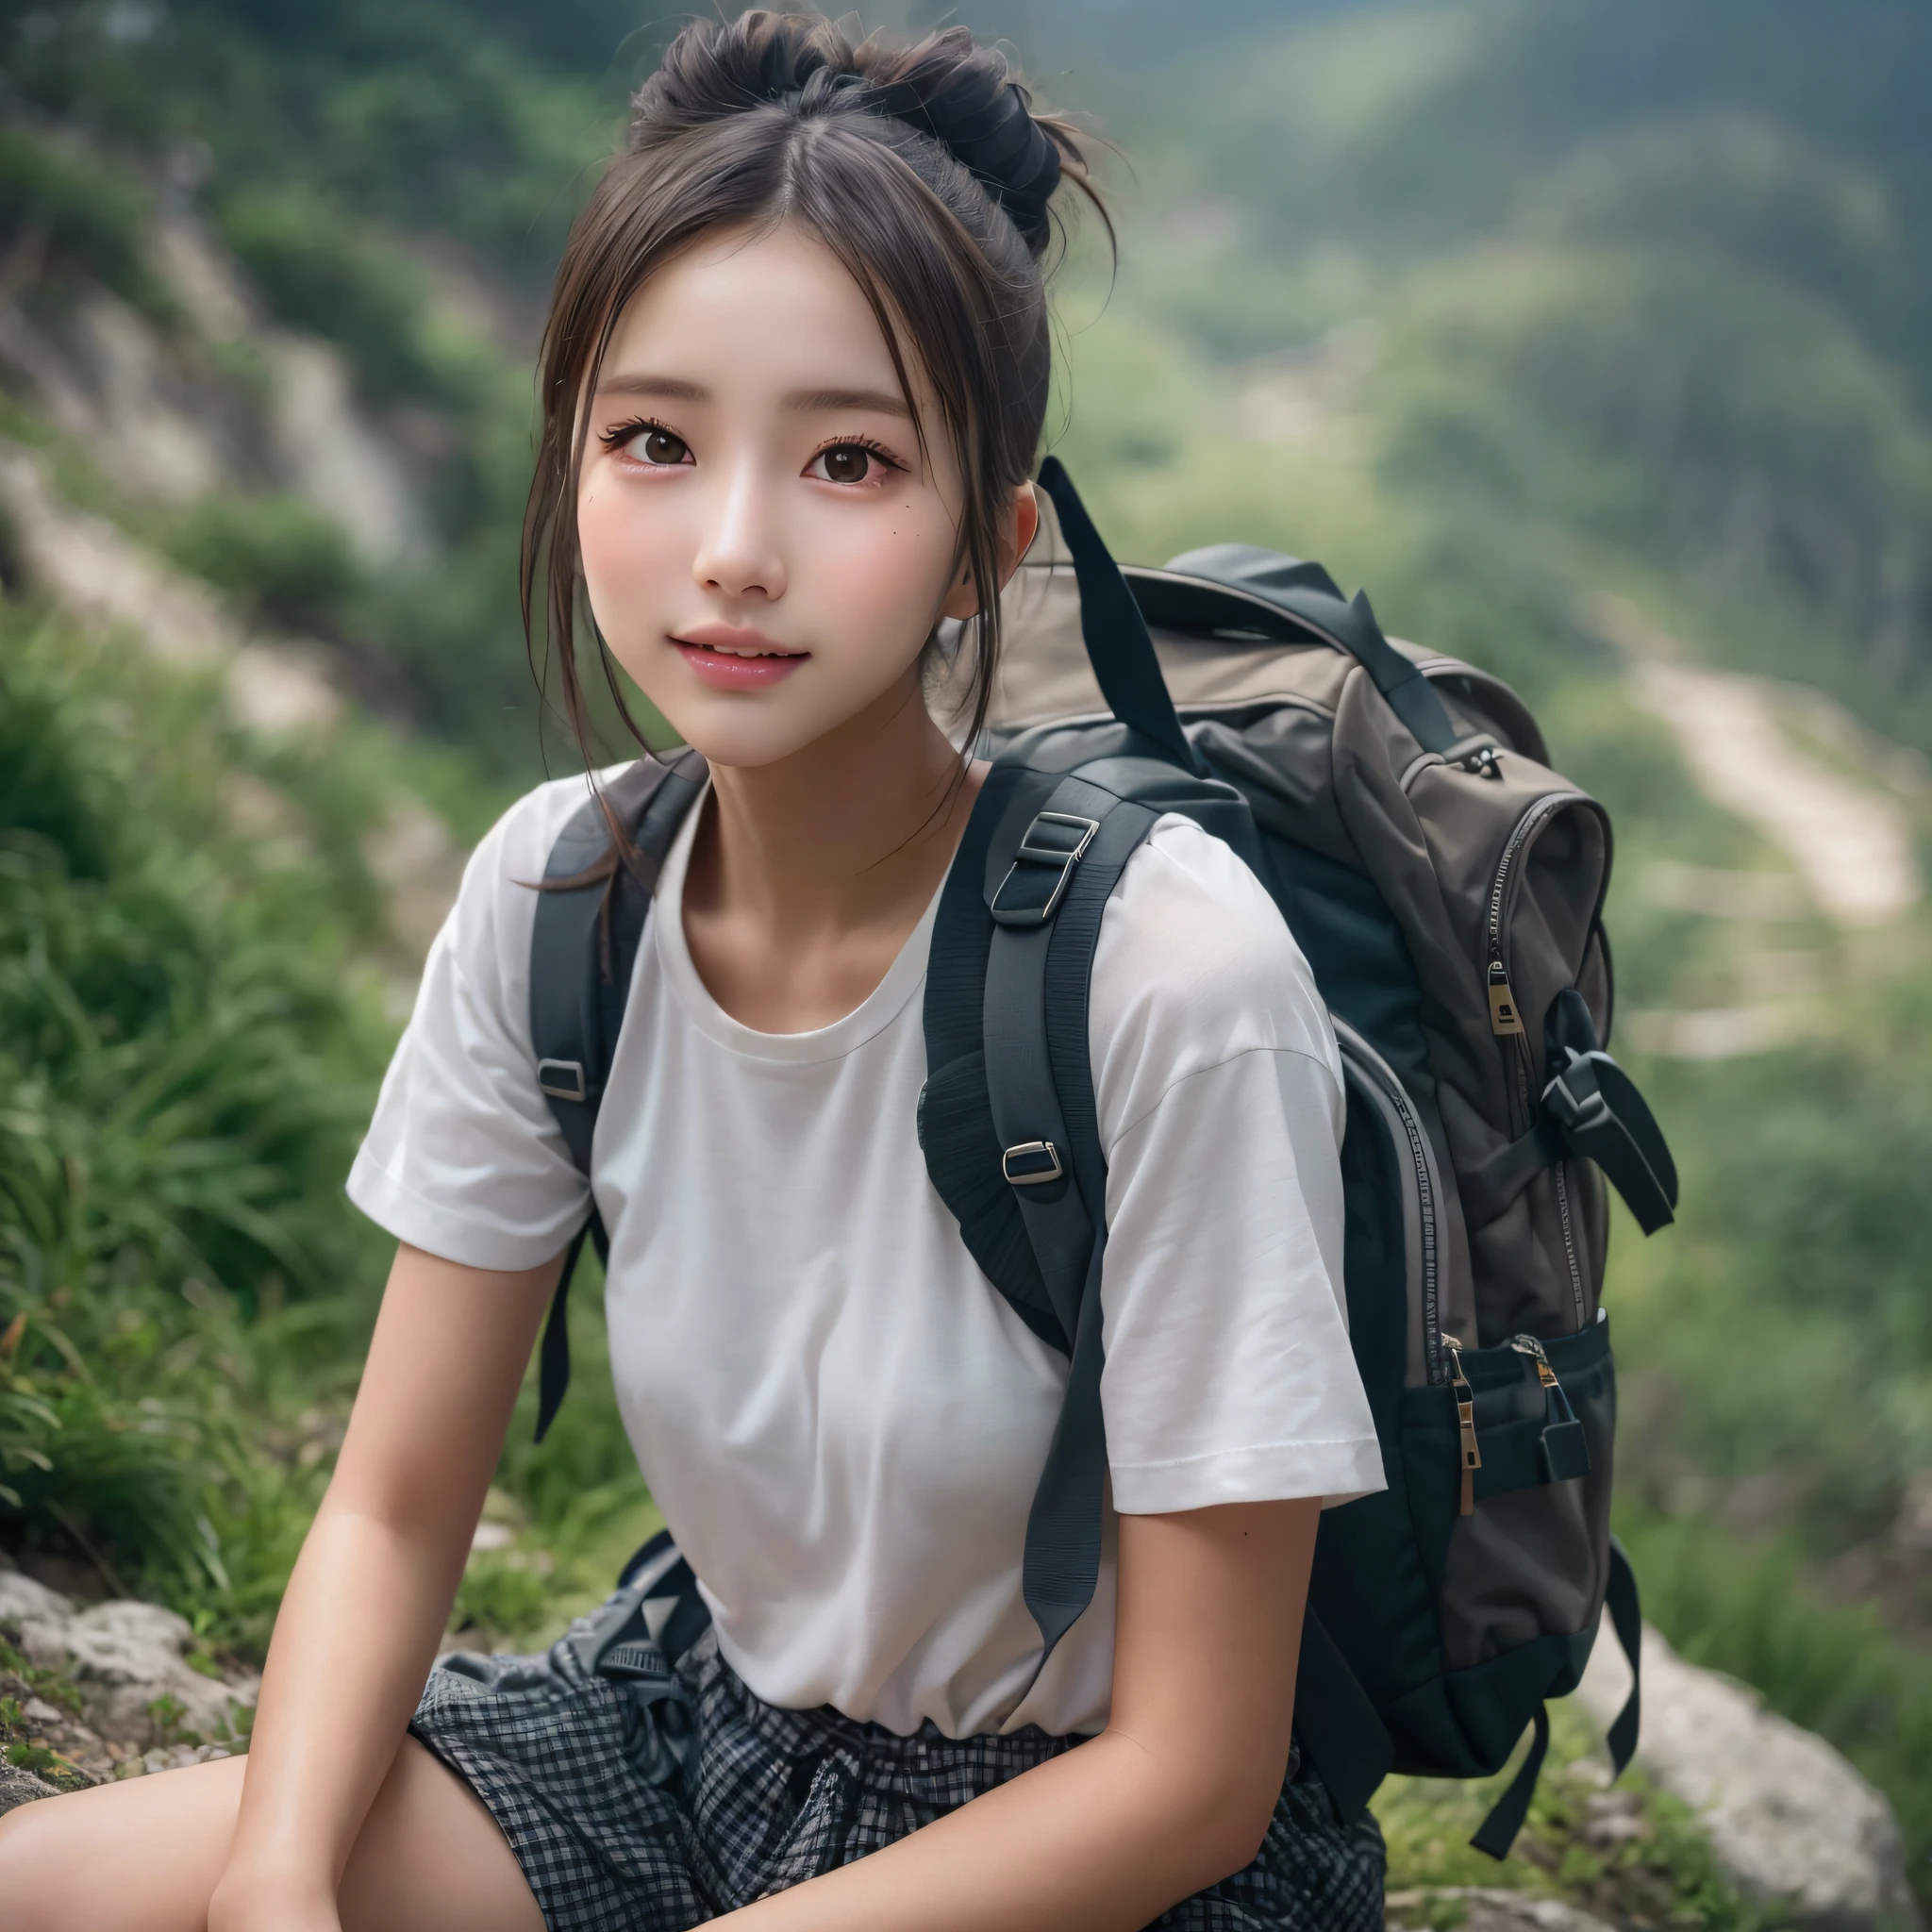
746,733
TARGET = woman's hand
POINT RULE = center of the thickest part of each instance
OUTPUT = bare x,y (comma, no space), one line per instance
247,1901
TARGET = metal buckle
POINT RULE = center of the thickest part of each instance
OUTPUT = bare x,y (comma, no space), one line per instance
1038,1161
1032,852
547,1078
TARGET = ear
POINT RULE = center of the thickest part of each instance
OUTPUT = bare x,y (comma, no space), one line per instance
1019,526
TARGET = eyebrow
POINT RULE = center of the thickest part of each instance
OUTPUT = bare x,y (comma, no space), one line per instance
666,386
804,402
883,402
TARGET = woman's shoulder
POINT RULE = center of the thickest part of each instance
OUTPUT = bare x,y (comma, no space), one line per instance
518,844
1196,966
496,903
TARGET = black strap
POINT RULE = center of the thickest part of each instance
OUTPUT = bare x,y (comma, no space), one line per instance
1488,1187
583,951
1589,1107
1040,1083
1306,592
1341,1734
1499,1829
1600,1113
1626,1619
1115,633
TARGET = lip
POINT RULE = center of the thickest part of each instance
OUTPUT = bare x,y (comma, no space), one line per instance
730,657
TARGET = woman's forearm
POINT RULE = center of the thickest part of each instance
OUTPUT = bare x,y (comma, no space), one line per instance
355,1640
372,1591
1102,1840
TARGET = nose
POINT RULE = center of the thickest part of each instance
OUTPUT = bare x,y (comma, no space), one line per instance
739,552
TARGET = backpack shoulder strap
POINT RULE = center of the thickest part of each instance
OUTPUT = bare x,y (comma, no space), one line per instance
1007,1120
590,919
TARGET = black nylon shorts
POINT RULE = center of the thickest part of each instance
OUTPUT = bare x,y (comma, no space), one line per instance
630,1814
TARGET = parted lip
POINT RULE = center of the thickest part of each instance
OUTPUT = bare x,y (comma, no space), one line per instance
745,643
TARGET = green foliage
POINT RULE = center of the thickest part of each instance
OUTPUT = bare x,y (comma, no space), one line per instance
1740,1605
1804,1183
185,1066
1634,1854
326,273
83,214
283,563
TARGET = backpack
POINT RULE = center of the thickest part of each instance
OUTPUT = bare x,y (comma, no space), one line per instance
1447,887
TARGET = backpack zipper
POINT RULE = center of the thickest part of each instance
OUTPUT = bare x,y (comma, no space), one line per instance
1465,1421
1395,1097
1506,1017
1529,1345
1564,1451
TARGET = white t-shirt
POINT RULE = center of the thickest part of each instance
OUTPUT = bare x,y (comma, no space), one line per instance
841,1418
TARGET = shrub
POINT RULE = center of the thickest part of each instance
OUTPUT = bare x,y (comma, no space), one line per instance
283,563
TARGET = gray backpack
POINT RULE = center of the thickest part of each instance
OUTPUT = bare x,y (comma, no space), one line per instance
1446,886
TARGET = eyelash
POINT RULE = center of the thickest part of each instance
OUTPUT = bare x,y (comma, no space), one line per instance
622,433
864,442
619,434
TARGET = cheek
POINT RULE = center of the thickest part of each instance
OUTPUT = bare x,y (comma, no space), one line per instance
877,577
628,548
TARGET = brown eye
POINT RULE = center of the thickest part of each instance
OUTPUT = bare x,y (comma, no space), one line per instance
660,446
845,462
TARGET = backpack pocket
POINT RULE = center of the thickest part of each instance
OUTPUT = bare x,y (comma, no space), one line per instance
1531,1558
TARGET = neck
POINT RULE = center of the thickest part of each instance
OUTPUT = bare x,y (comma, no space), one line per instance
839,834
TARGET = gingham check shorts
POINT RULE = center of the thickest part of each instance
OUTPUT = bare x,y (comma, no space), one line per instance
615,1834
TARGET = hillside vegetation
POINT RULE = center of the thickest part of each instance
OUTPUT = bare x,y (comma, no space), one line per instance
1592,340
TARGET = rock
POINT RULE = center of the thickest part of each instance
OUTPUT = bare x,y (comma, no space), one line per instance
23,1601
1790,1820
20,1788
1487,1909
124,1658
128,1657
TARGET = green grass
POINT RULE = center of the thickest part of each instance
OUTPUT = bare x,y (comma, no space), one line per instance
1748,1606
1633,1854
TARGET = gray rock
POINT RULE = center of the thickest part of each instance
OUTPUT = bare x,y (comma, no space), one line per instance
20,1788
23,1601
124,1658
1790,1820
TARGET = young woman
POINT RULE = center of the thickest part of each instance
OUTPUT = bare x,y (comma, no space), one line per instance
794,387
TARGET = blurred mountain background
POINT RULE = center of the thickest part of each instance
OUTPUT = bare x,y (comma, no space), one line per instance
1593,339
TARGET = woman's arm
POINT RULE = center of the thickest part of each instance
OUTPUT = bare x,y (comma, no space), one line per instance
372,1591
1173,1795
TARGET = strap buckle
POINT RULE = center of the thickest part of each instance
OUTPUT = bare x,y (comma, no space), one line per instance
1055,844
1032,1163
563,1079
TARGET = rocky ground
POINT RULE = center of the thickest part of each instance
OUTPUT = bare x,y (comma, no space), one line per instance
1736,1819
94,1692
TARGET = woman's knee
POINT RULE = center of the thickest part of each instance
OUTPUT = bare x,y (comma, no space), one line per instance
31,1841
140,1857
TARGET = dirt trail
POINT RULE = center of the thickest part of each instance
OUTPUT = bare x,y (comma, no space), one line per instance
1834,798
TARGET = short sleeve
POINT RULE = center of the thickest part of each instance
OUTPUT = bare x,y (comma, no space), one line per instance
1228,1376
463,1157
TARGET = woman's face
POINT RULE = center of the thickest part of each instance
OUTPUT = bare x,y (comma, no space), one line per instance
766,548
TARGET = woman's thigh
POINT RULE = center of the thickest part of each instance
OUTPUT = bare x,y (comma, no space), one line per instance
145,1856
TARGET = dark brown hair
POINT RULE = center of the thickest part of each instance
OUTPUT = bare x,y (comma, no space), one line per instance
922,168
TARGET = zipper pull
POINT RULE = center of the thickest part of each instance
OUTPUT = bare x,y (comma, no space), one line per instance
1562,1451
1465,1417
1529,1345
1504,1019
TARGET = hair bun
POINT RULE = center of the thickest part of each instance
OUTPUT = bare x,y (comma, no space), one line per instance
956,94
963,96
